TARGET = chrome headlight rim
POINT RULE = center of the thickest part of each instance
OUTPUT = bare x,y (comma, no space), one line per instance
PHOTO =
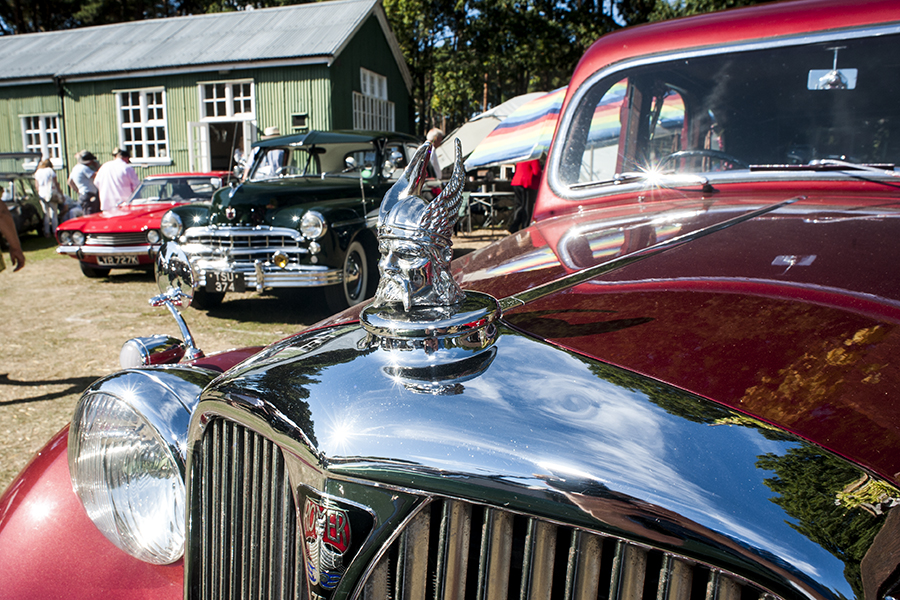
65,237
313,225
171,225
78,238
153,236
127,455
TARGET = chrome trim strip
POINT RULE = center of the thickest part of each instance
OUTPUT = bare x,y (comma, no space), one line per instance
574,279
566,192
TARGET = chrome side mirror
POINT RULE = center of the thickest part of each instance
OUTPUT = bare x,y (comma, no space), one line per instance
176,281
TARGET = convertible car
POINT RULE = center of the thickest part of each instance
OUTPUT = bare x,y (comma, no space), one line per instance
679,383
129,236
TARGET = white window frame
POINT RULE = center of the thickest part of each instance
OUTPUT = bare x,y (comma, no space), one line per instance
371,108
150,148
41,133
228,99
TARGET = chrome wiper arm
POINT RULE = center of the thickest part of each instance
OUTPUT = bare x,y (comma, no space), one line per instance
651,178
831,164
875,169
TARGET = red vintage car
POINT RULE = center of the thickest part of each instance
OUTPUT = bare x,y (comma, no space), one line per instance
129,236
679,383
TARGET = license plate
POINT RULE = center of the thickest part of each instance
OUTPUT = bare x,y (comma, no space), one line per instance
117,261
224,282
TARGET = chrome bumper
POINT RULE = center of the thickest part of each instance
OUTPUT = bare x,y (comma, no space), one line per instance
260,275
250,251
80,251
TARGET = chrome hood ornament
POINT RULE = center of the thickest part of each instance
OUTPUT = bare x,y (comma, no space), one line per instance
437,335
414,238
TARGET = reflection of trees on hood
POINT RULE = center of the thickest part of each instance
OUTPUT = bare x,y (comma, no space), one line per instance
812,488
680,403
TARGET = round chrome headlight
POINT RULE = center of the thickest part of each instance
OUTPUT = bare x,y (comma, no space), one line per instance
171,226
153,236
65,237
313,225
77,238
127,460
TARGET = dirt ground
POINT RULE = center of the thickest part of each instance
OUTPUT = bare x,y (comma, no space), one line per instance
60,331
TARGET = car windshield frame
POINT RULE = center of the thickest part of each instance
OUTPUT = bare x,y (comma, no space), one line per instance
565,162
137,200
311,165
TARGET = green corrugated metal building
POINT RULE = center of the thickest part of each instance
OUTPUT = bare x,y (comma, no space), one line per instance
189,93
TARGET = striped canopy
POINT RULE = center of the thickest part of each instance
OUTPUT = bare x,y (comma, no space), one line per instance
523,135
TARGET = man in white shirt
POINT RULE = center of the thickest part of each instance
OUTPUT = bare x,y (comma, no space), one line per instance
81,179
116,180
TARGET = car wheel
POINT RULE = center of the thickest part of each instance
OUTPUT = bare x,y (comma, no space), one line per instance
204,300
93,272
355,285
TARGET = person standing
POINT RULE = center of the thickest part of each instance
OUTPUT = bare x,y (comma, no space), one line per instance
8,231
116,180
50,194
525,183
81,179
436,137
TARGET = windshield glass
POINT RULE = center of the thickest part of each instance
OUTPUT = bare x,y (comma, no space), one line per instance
175,190
709,114
315,161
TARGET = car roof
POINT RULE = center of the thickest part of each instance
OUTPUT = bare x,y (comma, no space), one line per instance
765,21
332,137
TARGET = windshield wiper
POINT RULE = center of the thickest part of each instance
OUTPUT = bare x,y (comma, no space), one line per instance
832,164
653,179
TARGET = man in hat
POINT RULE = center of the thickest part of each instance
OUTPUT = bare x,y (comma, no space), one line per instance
81,179
116,180
273,162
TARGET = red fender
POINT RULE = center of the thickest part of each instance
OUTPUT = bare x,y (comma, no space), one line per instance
49,548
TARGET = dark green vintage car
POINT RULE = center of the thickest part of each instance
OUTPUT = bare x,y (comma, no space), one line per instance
301,217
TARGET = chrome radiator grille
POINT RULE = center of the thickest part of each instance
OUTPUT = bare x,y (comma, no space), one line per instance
244,241
246,544
454,550
116,239
247,519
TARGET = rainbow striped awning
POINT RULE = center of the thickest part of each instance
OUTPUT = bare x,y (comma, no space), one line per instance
524,135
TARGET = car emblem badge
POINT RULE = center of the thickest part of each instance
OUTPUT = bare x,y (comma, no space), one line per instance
326,540
230,213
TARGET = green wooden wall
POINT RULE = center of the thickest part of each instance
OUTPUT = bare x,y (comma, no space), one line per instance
88,108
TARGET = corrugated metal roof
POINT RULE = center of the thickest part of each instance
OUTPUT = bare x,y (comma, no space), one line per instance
287,33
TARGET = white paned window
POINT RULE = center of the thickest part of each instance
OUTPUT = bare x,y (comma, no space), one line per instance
371,107
142,125
231,100
40,133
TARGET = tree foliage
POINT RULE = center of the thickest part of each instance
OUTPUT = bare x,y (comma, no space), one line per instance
465,56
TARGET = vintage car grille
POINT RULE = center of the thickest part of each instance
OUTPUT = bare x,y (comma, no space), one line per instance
116,239
250,546
248,534
239,241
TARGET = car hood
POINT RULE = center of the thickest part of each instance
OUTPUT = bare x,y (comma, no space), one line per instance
125,218
263,201
790,317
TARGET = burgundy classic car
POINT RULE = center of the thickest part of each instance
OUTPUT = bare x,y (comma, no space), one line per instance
129,236
679,383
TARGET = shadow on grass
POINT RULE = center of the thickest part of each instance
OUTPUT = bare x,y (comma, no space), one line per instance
74,385
291,306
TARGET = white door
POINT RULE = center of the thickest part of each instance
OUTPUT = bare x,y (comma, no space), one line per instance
198,146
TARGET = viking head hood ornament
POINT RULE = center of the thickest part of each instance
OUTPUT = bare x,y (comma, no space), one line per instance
414,238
